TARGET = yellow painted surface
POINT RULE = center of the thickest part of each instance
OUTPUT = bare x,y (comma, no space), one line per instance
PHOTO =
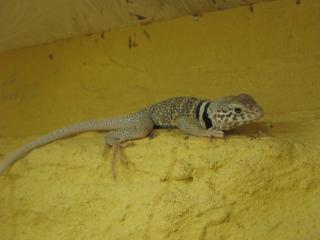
262,183
28,23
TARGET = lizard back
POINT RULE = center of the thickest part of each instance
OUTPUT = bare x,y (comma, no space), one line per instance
164,113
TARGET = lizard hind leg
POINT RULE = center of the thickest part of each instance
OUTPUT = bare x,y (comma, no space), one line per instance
121,138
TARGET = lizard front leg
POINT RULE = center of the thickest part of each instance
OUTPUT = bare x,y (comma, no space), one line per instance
192,127
138,127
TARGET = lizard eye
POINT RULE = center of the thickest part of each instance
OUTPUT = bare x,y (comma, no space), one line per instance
237,110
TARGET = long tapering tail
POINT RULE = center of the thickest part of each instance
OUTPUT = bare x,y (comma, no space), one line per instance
91,125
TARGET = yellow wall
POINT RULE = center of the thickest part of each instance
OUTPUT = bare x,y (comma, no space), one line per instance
262,183
271,53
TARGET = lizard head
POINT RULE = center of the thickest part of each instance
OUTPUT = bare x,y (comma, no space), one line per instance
234,111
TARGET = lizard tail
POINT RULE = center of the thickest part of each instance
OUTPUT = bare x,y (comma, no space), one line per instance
91,125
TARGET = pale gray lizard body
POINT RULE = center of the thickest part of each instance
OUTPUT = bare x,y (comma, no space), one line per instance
207,118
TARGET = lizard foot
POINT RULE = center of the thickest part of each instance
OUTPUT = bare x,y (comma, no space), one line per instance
117,154
214,133
152,135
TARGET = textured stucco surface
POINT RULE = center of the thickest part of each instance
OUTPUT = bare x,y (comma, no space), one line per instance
252,186
263,182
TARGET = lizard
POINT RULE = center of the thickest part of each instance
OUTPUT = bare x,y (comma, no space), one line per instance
193,116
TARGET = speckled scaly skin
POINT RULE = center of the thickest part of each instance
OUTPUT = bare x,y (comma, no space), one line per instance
199,117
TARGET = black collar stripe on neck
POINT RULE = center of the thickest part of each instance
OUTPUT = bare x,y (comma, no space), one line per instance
205,117
198,109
